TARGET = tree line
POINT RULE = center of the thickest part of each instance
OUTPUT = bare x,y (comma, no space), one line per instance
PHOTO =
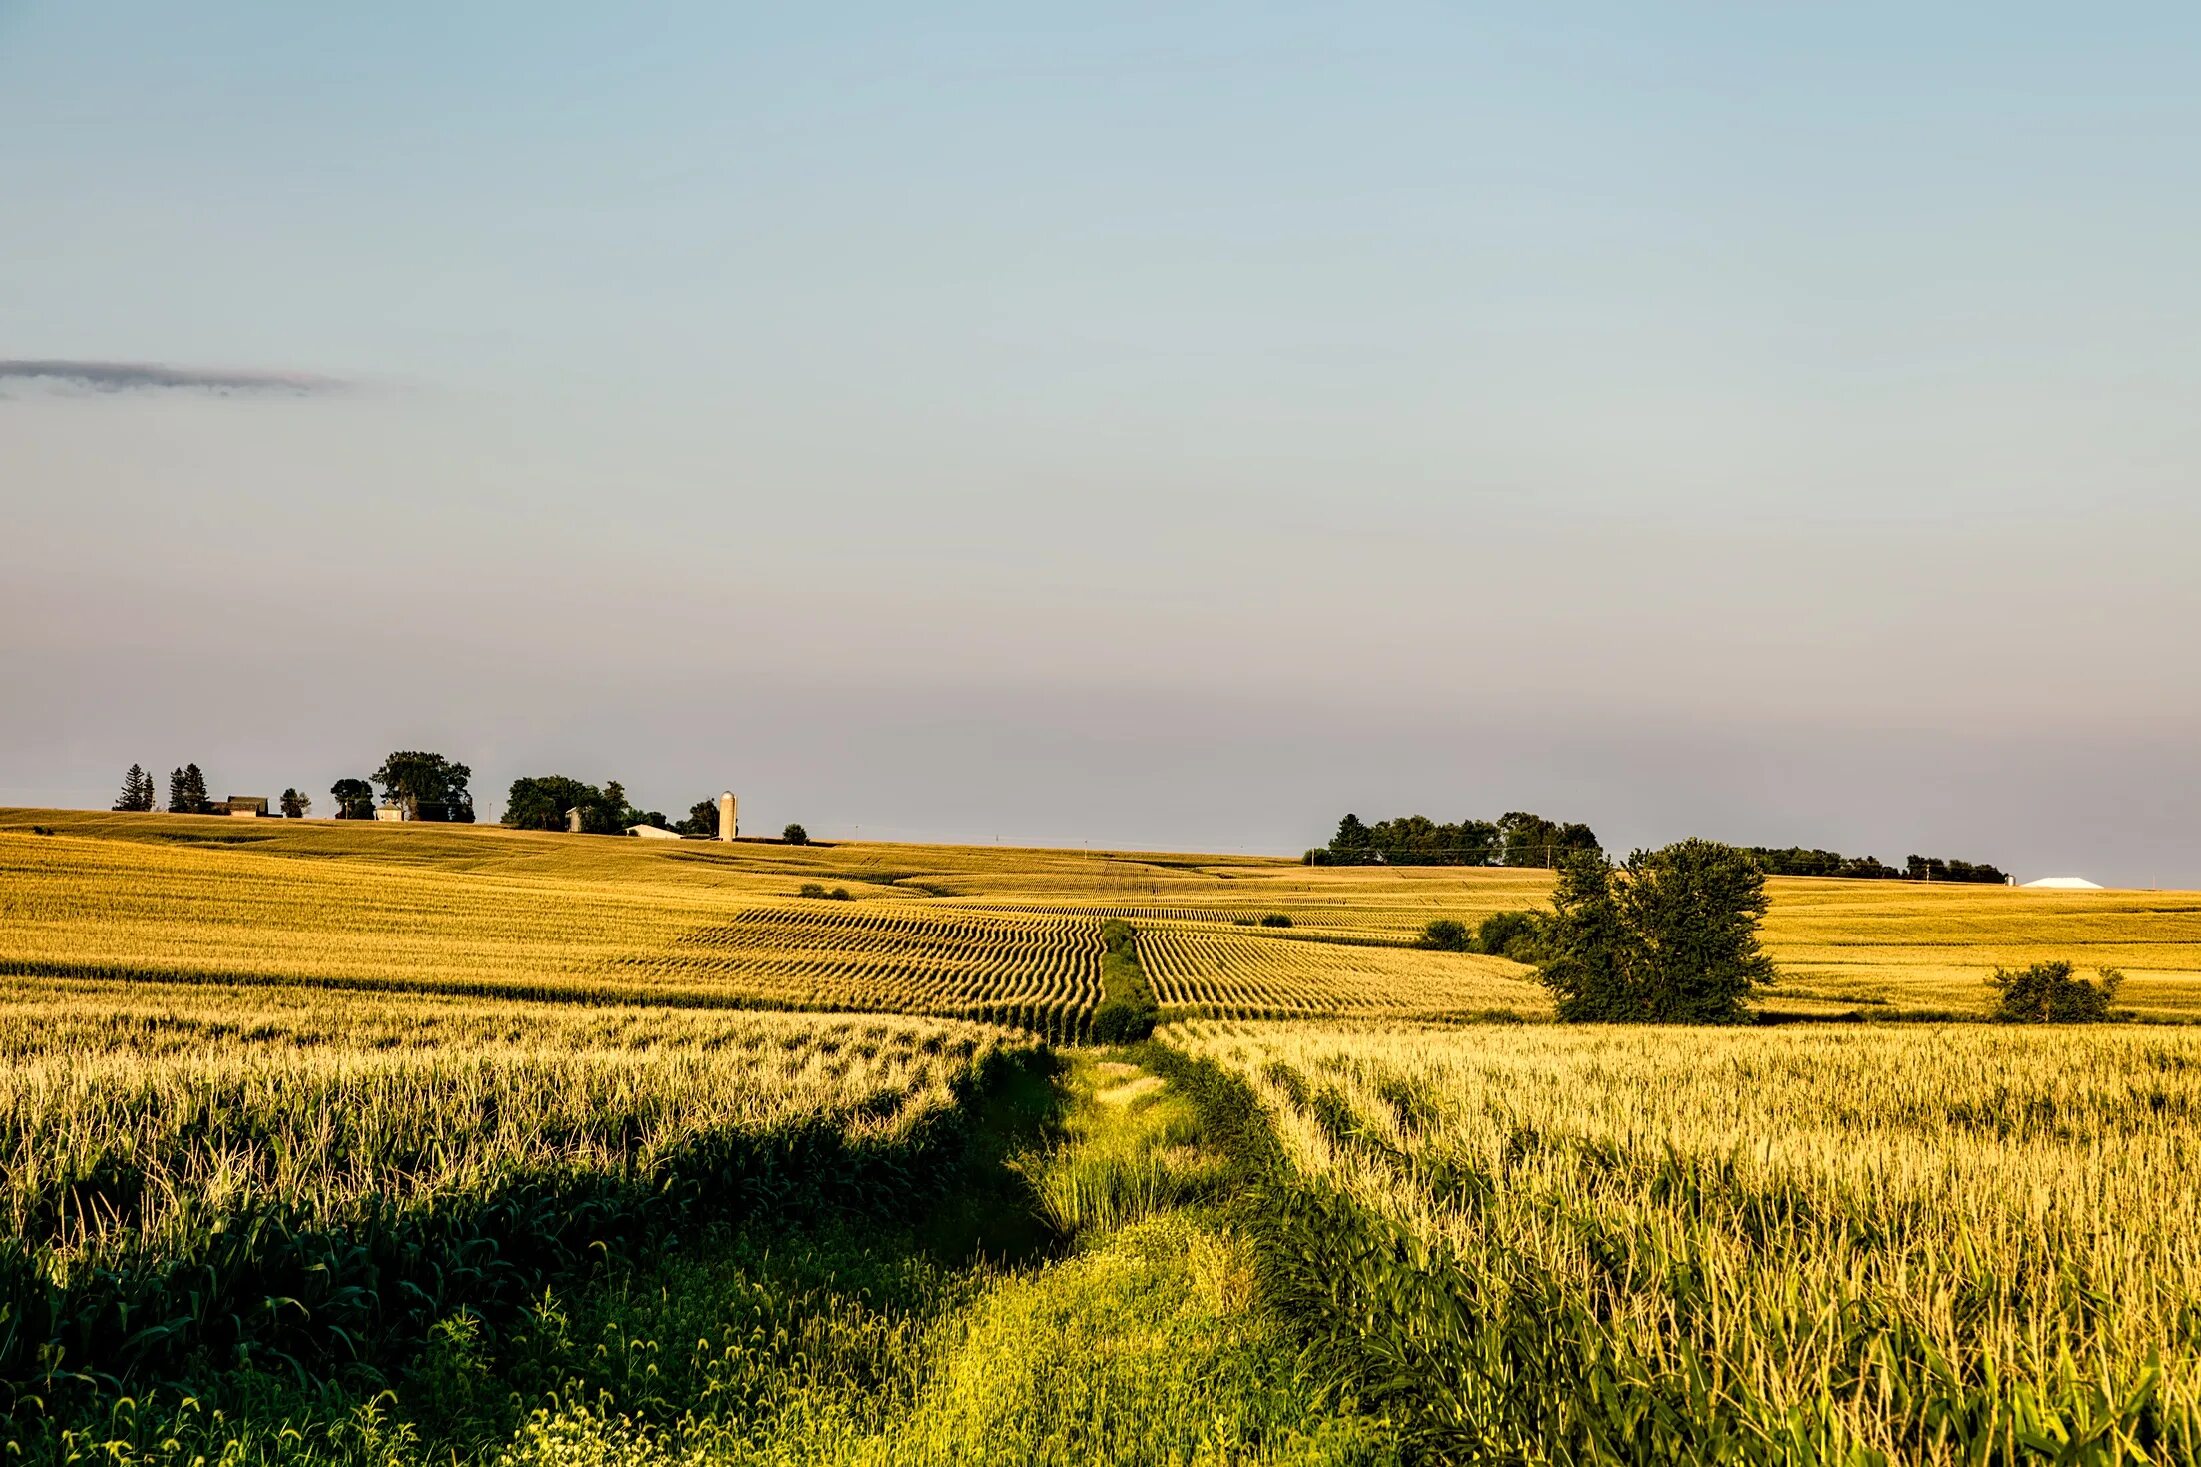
1516,838
1800,861
1520,838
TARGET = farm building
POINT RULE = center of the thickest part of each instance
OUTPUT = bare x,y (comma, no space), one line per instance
653,832
2062,883
429,810
243,807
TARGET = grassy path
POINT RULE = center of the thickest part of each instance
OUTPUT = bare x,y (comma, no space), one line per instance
1112,1317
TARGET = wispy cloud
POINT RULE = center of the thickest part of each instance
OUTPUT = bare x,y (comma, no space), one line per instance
160,377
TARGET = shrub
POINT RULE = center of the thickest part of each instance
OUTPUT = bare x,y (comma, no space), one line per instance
1510,935
1671,937
1276,919
1447,936
42,830
2050,993
1127,1011
795,835
810,889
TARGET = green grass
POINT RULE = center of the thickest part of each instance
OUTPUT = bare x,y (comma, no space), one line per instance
1133,1336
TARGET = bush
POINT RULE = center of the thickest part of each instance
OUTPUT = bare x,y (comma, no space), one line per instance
2050,993
1510,935
795,835
1669,938
1127,1011
1447,936
1276,919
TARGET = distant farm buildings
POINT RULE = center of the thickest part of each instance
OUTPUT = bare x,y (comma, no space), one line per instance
2062,883
242,807
432,811
653,832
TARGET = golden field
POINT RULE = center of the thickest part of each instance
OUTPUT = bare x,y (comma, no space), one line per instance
1000,934
1901,1243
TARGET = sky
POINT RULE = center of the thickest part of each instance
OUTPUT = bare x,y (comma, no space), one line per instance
1155,425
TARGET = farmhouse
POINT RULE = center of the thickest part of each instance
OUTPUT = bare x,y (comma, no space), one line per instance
242,807
653,832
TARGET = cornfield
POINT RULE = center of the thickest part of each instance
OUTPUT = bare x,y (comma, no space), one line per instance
1878,1245
197,1172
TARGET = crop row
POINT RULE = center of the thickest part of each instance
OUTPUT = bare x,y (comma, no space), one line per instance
201,1174
1754,1246
1236,973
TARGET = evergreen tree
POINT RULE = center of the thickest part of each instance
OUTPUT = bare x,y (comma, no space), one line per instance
137,790
179,801
187,791
295,805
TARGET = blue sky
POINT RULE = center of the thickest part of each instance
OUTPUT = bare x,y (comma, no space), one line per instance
1162,425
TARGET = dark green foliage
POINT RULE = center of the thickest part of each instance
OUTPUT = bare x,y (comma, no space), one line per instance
42,830
795,835
1801,861
1127,1011
137,790
812,889
187,791
354,799
295,805
1531,840
1510,935
702,819
1276,919
1515,839
2050,993
1669,938
1447,936
429,786
541,802
1933,868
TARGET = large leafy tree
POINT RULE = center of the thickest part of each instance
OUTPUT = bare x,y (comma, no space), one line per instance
541,802
1671,937
354,799
1531,840
295,805
413,778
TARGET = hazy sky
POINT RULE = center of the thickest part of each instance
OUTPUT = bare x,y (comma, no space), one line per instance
1170,425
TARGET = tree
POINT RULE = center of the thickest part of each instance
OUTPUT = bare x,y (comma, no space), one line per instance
354,799
2048,993
702,819
1352,845
795,835
1447,936
295,805
187,791
414,778
137,790
1510,935
541,802
1671,937
1531,840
